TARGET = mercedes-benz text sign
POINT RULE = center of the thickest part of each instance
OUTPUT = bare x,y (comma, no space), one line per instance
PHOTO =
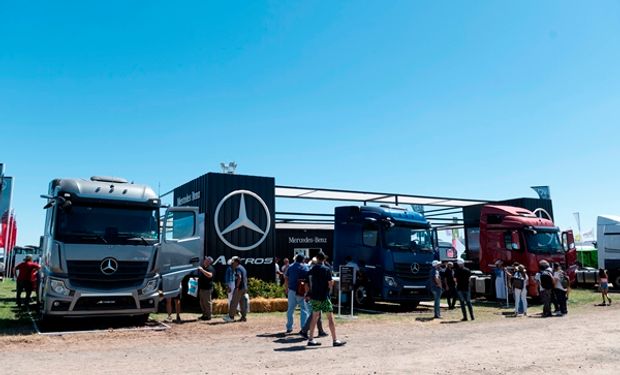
242,221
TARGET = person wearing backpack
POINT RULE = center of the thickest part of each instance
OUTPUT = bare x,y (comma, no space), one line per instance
560,288
545,285
519,287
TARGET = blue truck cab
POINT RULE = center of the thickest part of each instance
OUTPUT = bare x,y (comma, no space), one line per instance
393,248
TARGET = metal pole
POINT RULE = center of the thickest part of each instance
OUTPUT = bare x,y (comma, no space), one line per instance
351,303
339,291
506,288
339,300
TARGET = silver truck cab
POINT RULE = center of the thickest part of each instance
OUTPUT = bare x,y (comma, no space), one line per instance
107,251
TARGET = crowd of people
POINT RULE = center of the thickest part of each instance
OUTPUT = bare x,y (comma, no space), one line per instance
454,283
308,283
551,282
236,284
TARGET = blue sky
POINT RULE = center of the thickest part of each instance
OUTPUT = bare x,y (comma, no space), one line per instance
475,99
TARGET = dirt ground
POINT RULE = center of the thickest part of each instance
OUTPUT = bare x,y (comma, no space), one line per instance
585,341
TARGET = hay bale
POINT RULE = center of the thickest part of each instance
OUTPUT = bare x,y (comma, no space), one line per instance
257,305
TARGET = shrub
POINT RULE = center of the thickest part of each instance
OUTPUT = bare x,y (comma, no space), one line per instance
219,291
260,288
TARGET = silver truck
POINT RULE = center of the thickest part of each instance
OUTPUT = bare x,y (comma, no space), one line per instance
107,251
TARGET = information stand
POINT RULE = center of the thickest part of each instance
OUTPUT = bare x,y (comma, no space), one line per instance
347,285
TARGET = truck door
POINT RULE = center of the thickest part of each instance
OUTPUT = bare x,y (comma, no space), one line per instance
436,249
568,242
181,248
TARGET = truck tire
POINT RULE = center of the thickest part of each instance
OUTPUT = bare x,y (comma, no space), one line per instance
49,322
615,279
140,320
362,297
409,305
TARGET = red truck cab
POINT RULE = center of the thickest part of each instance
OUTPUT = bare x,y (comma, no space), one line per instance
514,234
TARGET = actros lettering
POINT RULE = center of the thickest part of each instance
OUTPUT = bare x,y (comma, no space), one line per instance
255,261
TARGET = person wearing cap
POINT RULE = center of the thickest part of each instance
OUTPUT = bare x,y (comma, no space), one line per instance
206,273
545,286
241,288
462,275
25,271
519,286
450,285
229,281
436,289
296,275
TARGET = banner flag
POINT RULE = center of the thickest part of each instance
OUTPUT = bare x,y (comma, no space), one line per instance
542,191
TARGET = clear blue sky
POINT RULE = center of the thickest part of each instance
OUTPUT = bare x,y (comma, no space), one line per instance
478,99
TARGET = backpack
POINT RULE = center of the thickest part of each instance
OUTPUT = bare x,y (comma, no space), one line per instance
518,281
301,287
564,280
546,280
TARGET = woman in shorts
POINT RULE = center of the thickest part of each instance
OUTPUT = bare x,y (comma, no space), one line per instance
603,282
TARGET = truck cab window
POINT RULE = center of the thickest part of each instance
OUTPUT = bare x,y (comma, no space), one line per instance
508,241
85,223
409,239
179,225
544,242
370,235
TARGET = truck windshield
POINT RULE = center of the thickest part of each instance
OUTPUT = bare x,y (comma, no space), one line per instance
408,239
543,243
107,225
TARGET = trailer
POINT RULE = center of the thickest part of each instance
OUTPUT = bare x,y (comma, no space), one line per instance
608,244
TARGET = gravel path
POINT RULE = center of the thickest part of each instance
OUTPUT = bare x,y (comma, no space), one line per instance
586,341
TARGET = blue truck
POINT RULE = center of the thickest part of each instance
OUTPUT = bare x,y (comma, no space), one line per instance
393,248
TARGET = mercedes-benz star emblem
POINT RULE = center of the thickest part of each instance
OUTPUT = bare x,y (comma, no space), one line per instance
242,221
415,268
109,266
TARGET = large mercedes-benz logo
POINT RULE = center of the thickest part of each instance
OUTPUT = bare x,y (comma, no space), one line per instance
109,266
415,268
243,221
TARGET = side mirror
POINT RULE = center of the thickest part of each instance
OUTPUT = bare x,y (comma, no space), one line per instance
387,224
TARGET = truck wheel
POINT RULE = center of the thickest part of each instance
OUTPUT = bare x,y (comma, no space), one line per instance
362,297
409,305
616,281
49,322
140,320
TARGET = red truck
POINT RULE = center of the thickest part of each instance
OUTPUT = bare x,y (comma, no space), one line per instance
514,234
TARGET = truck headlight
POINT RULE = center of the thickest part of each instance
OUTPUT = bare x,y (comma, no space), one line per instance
390,281
150,287
59,287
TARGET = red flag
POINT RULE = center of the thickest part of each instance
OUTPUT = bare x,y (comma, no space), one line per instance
9,232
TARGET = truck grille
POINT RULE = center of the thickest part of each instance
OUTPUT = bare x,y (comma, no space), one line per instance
403,271
87,274
105,303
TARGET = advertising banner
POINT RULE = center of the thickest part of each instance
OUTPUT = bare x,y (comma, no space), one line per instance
239,219
7,228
